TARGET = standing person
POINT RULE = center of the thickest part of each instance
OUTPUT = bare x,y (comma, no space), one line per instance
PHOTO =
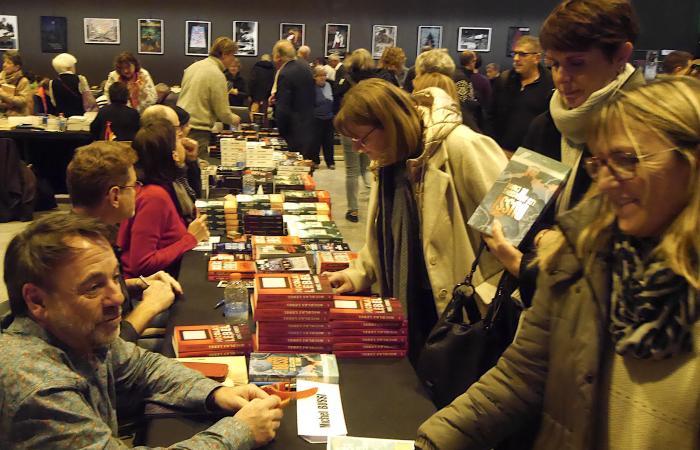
237,91
323,119
392,64
262,77
332,65
204,92
17,98
493,71
70,93
116,121
304,54
519,95
607,356
294,98
411,72
474,89
128,70
432,171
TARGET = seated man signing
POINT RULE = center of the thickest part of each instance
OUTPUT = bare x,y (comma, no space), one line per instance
63,365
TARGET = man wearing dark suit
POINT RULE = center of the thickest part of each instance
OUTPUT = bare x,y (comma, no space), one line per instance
293,94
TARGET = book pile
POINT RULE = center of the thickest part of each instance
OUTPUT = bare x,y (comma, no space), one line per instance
233,152
241,251
294,166
333,261
222,266
264,177
236,207
368,327
257,154
314,231
306,209
266,251
216,218
211,340
267,368
263,222
230,177
294,182
307,197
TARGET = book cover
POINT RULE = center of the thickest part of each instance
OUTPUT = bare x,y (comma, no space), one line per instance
366,308
275,240
266,251
321,415
521,192
274,367
237,368
283,265
363,443
333,261
292,286
207,339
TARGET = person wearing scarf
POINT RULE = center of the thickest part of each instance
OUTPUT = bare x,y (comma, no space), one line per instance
128,70
16,94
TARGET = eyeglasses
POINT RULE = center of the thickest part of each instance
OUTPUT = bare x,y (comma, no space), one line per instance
136,186
361,141
522,54
622,165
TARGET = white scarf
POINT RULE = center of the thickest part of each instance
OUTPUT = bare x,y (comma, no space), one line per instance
573,124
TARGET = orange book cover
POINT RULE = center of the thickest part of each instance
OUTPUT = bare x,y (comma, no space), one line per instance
347,307
275,240
210,338
292,286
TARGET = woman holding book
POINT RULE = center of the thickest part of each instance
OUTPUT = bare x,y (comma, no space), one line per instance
165,224
16,95
431,172
607,356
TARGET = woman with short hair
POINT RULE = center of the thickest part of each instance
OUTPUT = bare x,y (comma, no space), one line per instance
70,93
392,65
16,96
128,70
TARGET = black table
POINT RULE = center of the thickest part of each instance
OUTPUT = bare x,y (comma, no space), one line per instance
381,397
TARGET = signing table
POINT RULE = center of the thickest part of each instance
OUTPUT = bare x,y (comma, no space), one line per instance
381,397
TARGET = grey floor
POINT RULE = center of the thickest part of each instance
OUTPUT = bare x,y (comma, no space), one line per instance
326,179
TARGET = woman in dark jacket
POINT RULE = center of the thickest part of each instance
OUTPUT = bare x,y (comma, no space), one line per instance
237,92
262,77
69,91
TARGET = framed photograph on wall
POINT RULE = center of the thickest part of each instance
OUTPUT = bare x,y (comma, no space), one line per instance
151,36
294,33
429,36
337,39
515,33
245,33
54,34
101,31
474,39
9,33
383,36
197,37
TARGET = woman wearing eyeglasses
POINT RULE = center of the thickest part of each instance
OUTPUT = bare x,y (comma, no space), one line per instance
165,224
607,357
431,173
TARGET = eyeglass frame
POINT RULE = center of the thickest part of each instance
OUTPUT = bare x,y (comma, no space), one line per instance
361,141
137,186
615,172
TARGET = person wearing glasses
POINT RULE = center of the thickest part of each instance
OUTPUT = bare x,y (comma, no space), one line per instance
431,173
607,356
102,184
165,224
519,95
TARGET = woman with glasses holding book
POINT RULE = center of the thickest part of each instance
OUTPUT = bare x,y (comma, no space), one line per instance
607,357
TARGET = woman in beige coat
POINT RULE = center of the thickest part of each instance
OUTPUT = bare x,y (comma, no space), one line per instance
16,96
432,172
607,357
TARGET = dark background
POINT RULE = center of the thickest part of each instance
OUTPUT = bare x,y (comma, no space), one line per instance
665,25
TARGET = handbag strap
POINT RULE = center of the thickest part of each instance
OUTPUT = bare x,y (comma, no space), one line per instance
470,305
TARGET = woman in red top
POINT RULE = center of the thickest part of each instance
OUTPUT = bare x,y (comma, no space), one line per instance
164,226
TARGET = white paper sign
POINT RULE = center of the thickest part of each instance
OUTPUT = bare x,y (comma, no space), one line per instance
320,416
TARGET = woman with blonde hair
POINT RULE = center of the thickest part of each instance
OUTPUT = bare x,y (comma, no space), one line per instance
607,355
431,174
392,65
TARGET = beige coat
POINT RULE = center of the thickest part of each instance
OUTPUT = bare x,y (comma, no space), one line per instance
554,371
459,168
18,101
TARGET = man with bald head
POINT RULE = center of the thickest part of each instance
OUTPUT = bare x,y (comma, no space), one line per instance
304,53
294,95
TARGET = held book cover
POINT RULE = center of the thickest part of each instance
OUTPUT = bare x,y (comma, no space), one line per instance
211,340
348,307
275,367
522,191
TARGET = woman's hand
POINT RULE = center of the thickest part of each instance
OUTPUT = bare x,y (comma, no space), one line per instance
503,250
340,282
198,228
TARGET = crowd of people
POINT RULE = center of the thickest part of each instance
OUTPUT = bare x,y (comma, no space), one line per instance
606,353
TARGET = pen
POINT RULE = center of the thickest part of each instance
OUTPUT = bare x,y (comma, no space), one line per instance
221,303
143,280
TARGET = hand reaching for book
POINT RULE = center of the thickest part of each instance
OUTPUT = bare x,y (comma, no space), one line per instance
340,282
198,228
262,416
503,250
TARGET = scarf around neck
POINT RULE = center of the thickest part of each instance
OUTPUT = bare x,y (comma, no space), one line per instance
14,78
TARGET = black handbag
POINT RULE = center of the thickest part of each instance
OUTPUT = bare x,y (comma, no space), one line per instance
458,351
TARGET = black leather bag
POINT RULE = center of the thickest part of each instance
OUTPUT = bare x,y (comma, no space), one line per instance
459,349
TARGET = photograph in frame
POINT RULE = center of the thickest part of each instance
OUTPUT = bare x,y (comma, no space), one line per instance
383,36
515,33
54,34
245,33
197,37
474,39
101,31
9,33
294,33
151,36
429,36
337,39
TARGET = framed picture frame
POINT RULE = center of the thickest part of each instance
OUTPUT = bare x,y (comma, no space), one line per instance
197,37
383,36
99,30
515,33
429,36
337,39
245,33
293,32
151,36
54,34
474,38
9,33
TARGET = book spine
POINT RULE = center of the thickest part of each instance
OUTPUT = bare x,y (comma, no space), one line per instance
342,346
213,347
273,316
397,340
237,352
292,348
281,305
284,340
370,353
350,323
283,327
292,333
341,332
263,296
352,315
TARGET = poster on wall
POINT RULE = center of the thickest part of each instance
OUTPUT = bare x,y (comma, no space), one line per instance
474,39
101,31
337,39
197,37
294,33
151,36
245,33
9,33
54,34
429,37
383,36
514,34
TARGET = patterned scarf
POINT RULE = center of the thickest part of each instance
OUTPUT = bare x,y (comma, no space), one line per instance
652,308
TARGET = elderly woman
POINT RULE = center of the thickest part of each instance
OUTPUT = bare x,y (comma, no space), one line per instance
69,93
432,172
436,60
16,96
392,65
607,355
128,70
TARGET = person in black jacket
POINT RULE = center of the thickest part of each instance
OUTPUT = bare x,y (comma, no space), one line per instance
262,77
237,92
67,89
122,121
294,99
